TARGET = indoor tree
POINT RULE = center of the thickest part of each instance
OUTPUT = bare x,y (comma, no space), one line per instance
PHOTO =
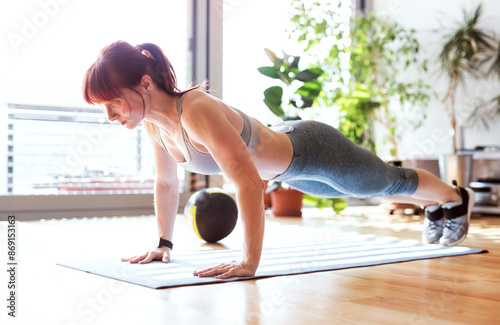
467,51
297,88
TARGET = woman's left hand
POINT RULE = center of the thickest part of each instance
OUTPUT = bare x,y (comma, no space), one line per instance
227,270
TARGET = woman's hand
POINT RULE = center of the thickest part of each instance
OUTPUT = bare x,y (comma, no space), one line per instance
227,270
161,253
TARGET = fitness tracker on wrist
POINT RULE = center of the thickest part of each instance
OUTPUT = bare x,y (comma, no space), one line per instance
166,243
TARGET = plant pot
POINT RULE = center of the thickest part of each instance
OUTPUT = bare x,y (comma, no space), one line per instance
287,202
456,167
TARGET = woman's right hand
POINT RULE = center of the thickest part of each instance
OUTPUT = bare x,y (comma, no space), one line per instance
161,253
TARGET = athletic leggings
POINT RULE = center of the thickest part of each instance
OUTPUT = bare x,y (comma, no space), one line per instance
327,164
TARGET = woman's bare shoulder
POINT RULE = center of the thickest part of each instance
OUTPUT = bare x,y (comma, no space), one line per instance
150,128
197,102
198,96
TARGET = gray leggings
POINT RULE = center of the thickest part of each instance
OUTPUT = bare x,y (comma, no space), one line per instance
327,164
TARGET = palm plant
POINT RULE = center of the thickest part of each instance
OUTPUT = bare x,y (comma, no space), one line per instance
489,110
465,52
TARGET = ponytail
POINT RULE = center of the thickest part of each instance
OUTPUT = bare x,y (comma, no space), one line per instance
121,65
160,69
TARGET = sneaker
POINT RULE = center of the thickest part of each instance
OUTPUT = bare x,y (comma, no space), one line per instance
433,226
458,218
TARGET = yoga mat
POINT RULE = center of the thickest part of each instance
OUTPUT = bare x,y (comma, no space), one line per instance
275,261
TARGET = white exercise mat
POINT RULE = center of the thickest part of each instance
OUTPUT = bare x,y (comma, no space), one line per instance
275,261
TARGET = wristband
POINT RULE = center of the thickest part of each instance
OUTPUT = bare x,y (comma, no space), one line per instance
166,243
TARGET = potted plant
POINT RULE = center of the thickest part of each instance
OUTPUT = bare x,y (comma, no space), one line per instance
488,110
380,50
301,87
285,201
363,58
465,53
300,90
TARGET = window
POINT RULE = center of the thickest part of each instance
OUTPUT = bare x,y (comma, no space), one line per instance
65,150
51,141
251,26
248,28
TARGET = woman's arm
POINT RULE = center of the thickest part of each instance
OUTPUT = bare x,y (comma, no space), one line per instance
166,202
205,122
166,192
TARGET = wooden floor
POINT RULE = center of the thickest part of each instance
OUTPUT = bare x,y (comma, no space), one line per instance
450,290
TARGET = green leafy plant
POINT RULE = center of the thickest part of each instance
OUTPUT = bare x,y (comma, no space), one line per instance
380,50
338,204
356,114
300,89
363,58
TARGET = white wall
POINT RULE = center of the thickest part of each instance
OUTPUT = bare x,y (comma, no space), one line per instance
431,18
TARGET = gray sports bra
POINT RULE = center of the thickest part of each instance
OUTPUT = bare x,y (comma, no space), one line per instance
204,163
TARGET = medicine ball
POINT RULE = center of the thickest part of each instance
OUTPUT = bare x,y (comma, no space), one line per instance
212,213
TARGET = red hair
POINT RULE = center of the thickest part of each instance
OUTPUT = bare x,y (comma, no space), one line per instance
121,65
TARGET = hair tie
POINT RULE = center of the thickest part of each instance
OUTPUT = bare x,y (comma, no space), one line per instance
145,52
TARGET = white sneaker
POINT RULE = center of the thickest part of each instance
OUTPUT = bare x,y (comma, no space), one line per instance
458,218
433,231
433,226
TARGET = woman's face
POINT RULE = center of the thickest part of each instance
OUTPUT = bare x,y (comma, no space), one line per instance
128,110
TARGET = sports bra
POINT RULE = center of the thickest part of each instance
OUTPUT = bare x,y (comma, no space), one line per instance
204,163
